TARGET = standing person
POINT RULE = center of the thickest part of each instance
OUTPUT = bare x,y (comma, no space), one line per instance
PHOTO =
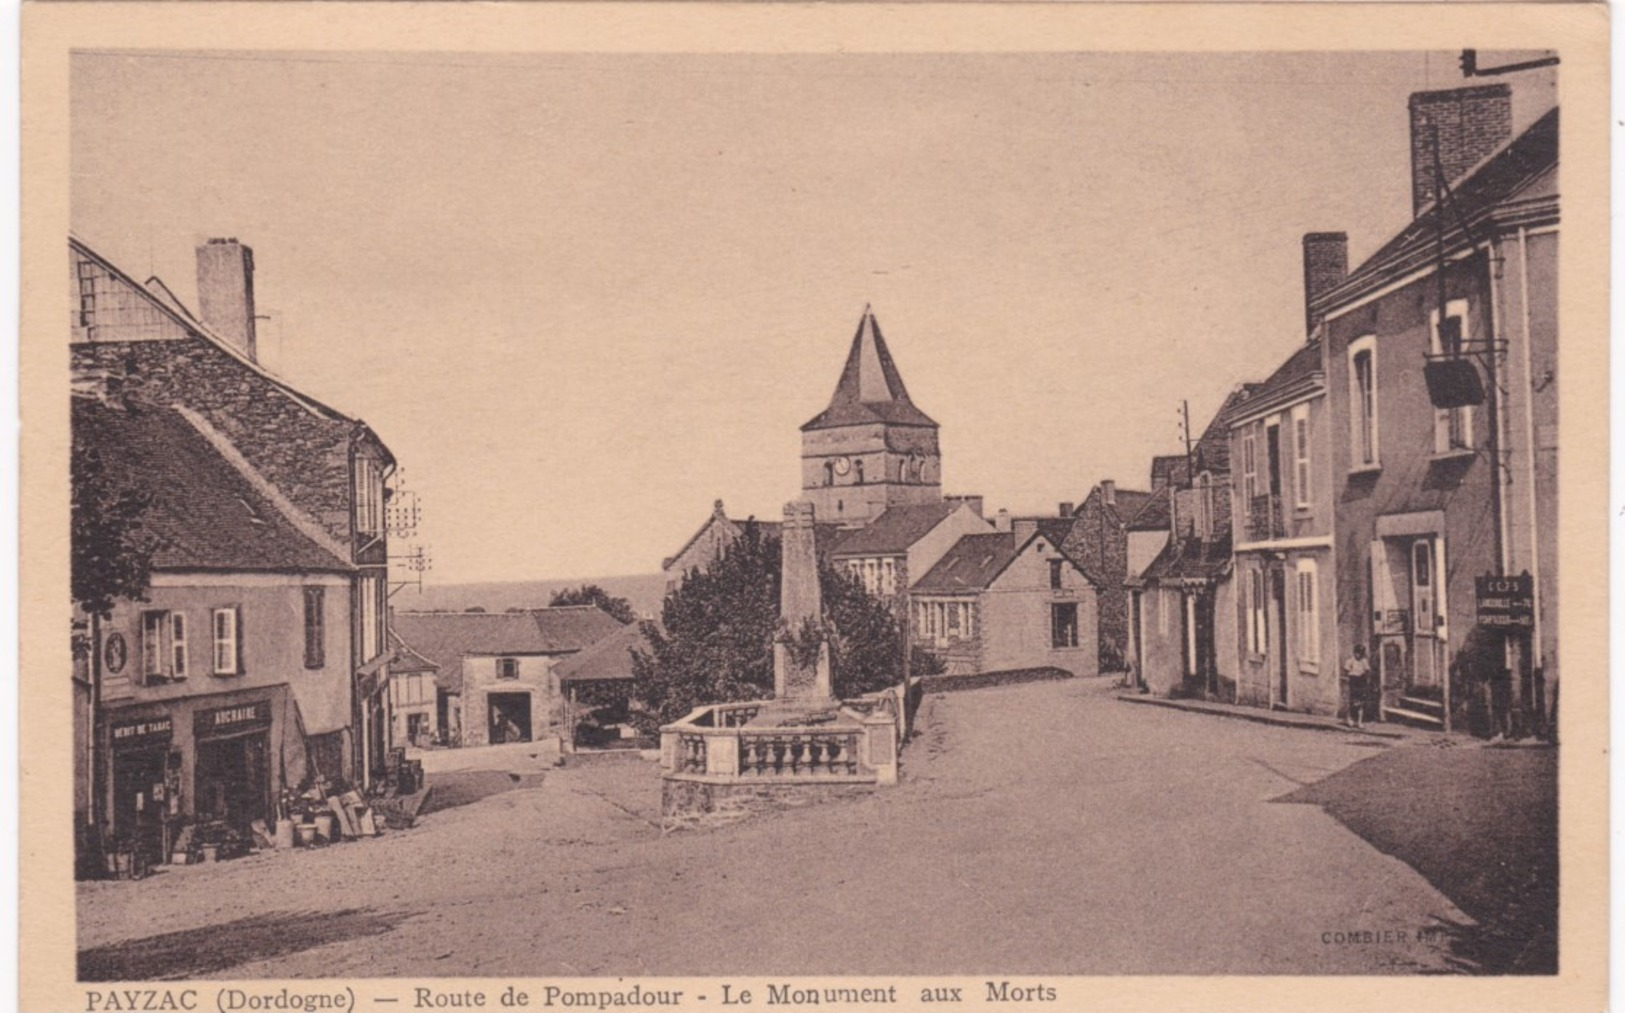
1356,671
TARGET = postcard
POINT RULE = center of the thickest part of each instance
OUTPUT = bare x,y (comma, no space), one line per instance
739,508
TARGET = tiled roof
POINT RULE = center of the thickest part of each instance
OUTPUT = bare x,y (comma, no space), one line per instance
445,638
1129,502
1155,515
1496,181
1298,367
971,565
1190,559
609,658
870,389
894,531
1172,468
205,513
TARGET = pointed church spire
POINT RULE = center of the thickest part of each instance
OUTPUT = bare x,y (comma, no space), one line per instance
870,388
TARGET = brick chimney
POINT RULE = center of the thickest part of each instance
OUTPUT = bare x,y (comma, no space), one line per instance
1108,492
1001,520
1471,123
1065,509
1325,265
225,291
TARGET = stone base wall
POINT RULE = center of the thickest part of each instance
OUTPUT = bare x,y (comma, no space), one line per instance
686,803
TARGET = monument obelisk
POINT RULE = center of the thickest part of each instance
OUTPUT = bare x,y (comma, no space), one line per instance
799,680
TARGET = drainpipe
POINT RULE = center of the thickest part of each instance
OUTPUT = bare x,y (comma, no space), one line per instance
1535,641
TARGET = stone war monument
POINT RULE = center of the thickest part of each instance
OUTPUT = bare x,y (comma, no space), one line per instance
738,757
801,676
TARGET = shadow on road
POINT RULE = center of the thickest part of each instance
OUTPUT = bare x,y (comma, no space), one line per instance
197,953
1480,825
462,787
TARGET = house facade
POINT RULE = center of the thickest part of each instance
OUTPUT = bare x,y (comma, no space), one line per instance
1441,390
1282,530
324,470
997,603
1183,639
231,681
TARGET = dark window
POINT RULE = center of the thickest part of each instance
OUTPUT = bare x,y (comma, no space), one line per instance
315,628
1055,573
829,472
1064,625
507,668
859,466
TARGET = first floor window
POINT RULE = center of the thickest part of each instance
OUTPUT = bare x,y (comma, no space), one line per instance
315,628
1308,638
163,646
1064,625
370,642
507,668
228,641
1257,629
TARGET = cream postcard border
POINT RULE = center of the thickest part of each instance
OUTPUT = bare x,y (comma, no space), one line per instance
1579,32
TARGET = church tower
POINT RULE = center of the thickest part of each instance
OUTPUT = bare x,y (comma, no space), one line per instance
871,448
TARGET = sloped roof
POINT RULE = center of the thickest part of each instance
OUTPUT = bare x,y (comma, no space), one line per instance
205,513
1187,559
1291,375
870,389
976,561
1129,502
825,535
609,658
1156,514
445,638
894,531
971,565
1497,181
1172,468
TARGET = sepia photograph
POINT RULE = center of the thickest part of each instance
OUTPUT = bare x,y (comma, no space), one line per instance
695,529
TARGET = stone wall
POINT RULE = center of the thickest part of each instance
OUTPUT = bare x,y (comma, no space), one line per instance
686,804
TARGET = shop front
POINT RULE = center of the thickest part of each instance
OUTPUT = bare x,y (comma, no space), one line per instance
217,760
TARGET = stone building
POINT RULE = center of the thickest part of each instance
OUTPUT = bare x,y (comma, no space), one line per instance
496,671
1440,358
325,471
871,449
1099,540
998,602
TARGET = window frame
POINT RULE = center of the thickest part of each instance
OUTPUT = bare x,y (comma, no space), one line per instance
227,661
1302,466
1306,599
1059,609
1365,406
507,665
1447,419
315,626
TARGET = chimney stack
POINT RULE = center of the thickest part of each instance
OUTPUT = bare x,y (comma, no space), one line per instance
225,292
1001,521
1065,509
1108,492
1470,123
1325,265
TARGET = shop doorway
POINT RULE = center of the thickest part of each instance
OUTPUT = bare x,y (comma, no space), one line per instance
234,779
509,717
1278,641
138,799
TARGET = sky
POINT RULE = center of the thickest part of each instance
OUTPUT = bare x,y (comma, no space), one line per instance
581,296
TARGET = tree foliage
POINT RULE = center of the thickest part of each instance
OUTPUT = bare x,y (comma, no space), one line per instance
111,548
715,640
592,594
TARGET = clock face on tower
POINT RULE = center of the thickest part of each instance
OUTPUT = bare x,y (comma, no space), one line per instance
843,465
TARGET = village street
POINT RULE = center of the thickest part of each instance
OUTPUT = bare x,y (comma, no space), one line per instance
1042,828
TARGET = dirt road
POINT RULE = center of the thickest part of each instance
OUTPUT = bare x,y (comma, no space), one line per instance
1045,828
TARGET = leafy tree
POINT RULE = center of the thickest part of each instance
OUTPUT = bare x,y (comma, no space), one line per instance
111,549
719,627
592,594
